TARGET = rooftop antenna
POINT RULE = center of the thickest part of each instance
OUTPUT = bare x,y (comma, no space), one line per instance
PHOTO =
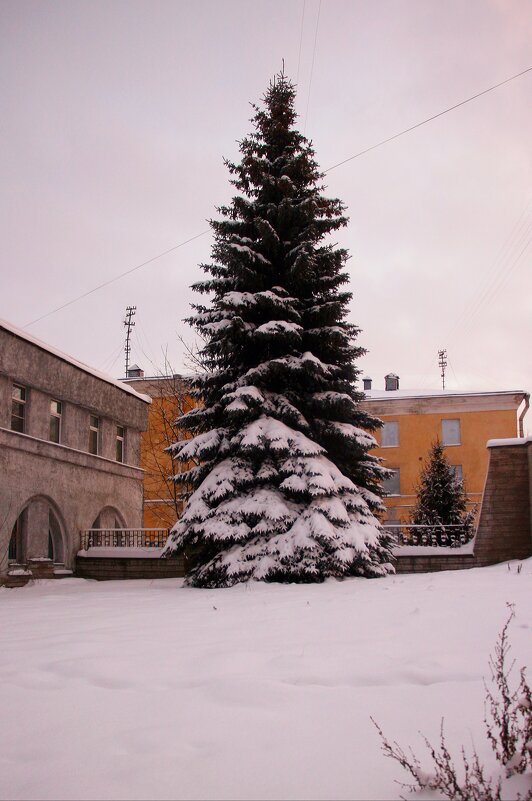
130,312
442,362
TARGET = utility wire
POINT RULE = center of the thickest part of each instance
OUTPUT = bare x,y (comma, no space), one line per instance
495,279
115,278
312,66
500,266
501,283
300,40
429,119
452,368
501,278
112,358
340,163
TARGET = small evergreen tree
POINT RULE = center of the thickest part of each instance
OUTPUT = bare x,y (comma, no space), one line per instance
283,488
441,497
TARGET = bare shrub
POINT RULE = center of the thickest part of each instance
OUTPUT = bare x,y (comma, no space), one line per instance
508,724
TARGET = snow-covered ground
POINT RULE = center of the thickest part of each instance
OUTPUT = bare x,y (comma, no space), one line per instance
148,690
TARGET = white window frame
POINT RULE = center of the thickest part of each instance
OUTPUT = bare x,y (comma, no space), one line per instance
397,472
444,436
122,439
390,425
92,429
23,401
56,415
458,472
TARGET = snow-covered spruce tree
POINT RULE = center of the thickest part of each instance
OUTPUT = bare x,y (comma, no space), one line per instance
441,497
283,488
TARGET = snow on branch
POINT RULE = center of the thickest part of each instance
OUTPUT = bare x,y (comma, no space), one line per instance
278,437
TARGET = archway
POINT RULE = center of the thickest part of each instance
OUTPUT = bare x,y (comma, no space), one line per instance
38,533
108,518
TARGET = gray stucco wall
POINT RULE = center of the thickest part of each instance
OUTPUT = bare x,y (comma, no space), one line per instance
75,484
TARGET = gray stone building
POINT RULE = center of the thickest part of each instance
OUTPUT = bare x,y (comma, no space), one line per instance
69,453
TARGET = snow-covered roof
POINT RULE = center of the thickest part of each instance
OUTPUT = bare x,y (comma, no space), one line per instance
383,394
504,443
21,334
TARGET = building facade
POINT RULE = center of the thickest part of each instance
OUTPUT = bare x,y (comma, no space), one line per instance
462,421
69,453
413,421
170,399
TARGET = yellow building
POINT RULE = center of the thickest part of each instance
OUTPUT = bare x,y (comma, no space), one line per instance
462,421
170,396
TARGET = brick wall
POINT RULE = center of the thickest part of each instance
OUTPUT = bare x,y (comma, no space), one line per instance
505,523
104,569
504,529
432,564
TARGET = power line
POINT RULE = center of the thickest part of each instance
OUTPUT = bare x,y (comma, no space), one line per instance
500,269
300,40
111,359
429,119
503,280
340,163
496,277
116,278
109,369
312,66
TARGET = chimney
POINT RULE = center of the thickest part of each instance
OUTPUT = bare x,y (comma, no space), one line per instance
367,383
135,372
391,382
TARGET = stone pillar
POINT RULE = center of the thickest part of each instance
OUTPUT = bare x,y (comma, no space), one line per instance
504,528
37,523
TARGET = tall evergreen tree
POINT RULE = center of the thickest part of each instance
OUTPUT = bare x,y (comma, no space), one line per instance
283,488
441,497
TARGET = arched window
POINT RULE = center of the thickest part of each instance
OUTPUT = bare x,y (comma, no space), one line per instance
14,554
55,540
37,532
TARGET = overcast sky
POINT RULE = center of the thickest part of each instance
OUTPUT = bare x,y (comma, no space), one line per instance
116,117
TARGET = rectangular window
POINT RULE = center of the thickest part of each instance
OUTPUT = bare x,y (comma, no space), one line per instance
450,432
94,429
392,484
56,410
390,435
457,470
392,524
13,551
19,397
119,444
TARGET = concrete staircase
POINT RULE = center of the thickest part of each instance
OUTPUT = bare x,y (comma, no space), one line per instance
19,575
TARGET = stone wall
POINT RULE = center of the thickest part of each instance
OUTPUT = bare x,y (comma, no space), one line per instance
505,524
432,564
106,569
42,480
504,529
76,486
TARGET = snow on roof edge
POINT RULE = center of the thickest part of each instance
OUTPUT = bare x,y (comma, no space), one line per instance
400,394
503,443
18,332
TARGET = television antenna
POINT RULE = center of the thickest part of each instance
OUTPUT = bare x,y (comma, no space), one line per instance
442,362
128,322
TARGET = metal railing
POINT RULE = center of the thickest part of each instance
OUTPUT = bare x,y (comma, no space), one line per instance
124,538
430,535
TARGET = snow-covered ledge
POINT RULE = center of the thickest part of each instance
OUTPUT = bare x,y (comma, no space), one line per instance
434,550
121,553
505,443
